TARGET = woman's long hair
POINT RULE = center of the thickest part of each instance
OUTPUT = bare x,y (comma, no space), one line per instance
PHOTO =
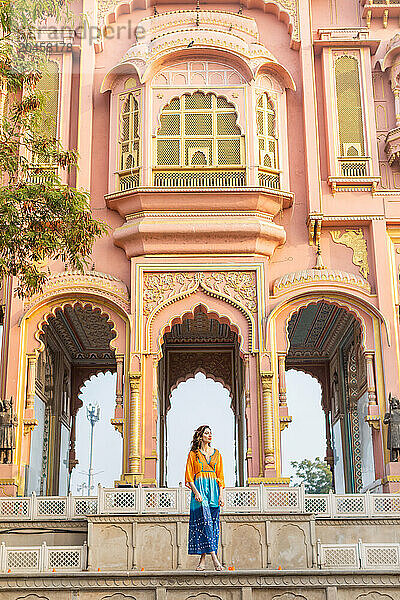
198,437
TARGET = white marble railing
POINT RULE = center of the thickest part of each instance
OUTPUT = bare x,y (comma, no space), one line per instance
259,499
358,556
42,558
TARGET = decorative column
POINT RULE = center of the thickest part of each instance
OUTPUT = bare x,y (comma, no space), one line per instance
135,425
29,415
284,418
118,420
373,417
268,420
392,60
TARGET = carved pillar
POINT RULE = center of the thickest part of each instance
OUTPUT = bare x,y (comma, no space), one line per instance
119,399
396,93
373,417
249,420
282,379
369,357
29,414
30,392
268,420
72,460
135,424
329,458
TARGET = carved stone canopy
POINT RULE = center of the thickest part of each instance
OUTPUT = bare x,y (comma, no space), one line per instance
83,332
314,331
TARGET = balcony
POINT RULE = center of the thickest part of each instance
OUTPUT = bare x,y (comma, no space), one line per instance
384,9
354,175
392,147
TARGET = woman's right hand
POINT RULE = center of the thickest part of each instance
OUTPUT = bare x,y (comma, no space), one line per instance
197,497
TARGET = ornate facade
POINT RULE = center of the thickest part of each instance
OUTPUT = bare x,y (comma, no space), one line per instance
247,160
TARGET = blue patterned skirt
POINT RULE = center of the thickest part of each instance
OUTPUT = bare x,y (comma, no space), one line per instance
203,529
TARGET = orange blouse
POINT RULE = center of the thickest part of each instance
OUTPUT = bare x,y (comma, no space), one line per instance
197,466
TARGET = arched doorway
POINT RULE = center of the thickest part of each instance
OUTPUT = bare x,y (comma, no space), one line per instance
76,344
99,390
325,340
201,344
304,396
195,402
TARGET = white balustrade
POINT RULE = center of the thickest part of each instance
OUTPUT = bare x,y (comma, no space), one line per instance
252,499
42,558
360,555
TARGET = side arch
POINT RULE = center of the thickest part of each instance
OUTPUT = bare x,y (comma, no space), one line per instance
363,311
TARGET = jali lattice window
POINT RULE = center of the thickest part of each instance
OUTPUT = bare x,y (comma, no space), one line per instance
266,133
199,130
129,134
349,107
48,88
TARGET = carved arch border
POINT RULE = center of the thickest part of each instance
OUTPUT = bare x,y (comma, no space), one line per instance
76,302
211,313
358,307
286,11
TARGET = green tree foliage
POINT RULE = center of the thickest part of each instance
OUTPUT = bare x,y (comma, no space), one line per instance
40,217
315,474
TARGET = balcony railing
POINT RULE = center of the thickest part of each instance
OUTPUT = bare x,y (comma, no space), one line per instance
269,178
358,556
199,178
42,559
128,180
256,499
353,167
41,173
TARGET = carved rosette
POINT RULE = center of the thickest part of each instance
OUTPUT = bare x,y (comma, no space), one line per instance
238,287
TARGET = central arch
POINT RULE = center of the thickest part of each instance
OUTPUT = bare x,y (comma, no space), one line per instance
201,343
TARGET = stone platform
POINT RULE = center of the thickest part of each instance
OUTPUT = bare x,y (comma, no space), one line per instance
238,585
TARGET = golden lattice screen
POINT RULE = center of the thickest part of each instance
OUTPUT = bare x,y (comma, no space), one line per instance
48,88
199,130
129,134
266,133
349,107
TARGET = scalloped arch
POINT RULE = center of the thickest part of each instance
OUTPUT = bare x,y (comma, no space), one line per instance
351,302
209,311
72,303
333,302
285,11
193,375
211,314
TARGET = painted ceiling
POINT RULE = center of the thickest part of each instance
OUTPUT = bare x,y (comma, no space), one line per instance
316,330
83,332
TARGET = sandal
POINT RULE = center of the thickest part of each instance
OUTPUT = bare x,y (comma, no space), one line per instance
219,567
200,567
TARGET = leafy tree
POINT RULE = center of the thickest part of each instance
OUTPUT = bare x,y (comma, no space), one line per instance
316,475
40,217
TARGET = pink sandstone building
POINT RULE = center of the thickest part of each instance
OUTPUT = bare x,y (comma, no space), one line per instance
246,158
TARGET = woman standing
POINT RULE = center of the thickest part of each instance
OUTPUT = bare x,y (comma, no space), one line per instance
205,477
